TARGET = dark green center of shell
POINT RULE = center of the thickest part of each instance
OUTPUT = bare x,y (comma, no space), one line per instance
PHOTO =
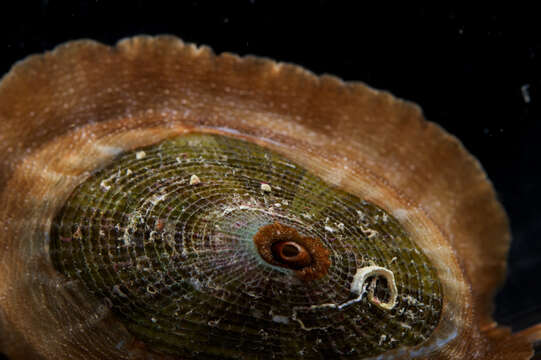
165,235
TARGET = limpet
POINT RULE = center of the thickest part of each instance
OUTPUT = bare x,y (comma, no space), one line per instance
160,201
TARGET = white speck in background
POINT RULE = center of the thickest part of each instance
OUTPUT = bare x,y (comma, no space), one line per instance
526,93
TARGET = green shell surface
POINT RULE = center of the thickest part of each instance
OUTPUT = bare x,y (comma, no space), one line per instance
164,235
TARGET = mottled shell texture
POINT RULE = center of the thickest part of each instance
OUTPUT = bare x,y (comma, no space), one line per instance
163,202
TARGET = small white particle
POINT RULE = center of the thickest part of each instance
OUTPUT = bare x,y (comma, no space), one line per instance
265,187
105,186
129,172
277,205
329,229
526,93
153,320
194,180
140,155
280,319
116,290
404,325
156,199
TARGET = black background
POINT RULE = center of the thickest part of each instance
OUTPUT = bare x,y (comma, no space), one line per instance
467,68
